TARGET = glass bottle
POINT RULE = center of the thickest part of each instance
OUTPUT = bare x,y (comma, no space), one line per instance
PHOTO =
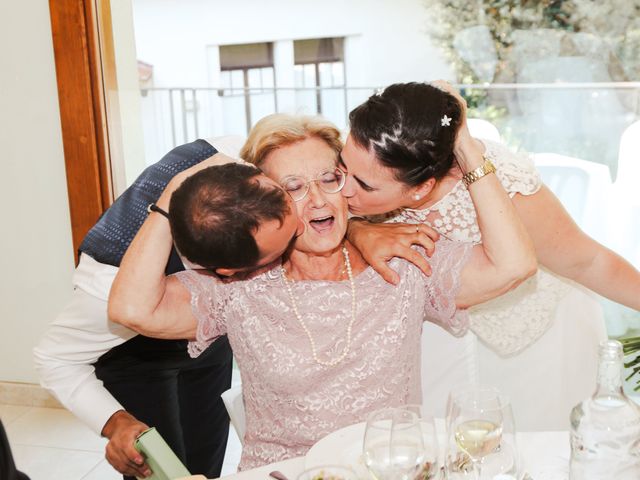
605,428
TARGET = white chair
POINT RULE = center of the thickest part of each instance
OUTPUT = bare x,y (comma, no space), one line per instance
629,157
447,362
234,404
624,214
480,128
582,187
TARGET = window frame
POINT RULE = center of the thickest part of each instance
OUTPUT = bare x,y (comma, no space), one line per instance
82,66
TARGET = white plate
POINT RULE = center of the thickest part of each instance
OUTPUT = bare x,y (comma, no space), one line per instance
342,447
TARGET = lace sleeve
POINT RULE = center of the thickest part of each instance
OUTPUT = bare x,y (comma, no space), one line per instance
516,171
442,286
208,307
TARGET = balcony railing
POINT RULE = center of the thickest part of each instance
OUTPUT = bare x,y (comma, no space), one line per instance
583,120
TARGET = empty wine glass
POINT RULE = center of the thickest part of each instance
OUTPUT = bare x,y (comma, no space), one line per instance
475,422
393,447
429,468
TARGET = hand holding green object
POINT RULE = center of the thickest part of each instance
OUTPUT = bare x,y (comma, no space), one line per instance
164,464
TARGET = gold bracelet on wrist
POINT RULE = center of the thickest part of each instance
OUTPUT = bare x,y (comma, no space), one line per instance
486,168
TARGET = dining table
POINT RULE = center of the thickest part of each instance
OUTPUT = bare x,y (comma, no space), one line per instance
543,456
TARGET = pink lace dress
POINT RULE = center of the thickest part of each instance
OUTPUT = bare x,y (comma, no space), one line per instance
290,400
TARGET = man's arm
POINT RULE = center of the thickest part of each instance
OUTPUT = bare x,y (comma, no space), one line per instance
65,356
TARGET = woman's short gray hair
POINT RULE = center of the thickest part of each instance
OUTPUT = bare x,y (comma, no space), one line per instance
281,129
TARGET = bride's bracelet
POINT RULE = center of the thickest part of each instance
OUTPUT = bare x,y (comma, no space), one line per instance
486,168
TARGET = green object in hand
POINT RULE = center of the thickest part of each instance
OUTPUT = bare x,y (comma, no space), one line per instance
164,464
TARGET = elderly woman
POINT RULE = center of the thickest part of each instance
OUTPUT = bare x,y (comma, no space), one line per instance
404,163
320,339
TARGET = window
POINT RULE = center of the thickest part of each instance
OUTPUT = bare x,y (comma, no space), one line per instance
319,72
247,76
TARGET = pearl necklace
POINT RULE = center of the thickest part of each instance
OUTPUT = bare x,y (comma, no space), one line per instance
314,351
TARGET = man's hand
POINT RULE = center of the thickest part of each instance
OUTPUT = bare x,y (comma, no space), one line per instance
379,243
121,430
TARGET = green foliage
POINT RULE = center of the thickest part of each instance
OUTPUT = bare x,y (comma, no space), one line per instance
608,30
630,347
478,105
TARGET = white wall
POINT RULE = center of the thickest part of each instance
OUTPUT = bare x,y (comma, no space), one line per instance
127,98
385,42
37,253
173,35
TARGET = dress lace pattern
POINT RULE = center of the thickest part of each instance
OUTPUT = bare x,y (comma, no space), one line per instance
511,322
290,400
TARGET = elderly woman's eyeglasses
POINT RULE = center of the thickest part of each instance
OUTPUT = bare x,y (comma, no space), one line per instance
329,181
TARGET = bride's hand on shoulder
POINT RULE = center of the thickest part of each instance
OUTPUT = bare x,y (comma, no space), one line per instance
380,242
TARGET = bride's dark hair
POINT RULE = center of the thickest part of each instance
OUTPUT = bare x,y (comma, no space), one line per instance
403,126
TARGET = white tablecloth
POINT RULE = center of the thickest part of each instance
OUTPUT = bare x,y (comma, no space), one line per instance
544,455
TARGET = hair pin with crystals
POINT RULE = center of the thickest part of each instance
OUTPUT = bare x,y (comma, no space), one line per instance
445,121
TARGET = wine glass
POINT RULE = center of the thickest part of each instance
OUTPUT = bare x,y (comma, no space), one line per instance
393,447
429,468
475,423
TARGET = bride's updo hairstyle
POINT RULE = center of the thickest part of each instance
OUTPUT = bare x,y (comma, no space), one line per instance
404,127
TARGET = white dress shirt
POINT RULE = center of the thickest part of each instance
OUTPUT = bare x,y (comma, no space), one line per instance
79,335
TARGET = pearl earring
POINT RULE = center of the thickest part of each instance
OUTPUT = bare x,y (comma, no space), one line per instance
416,197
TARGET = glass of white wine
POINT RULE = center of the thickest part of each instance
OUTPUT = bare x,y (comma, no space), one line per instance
475,424
393,446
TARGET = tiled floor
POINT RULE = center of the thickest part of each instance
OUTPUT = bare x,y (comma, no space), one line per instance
51,444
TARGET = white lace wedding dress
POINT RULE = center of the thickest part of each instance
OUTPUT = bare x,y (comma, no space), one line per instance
537,343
